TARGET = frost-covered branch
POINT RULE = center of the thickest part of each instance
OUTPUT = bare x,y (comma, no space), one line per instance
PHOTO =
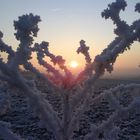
84,50
74,104
58,78
41,50
5,48
107,127
104,61
112,97
27,28
39,104
126,36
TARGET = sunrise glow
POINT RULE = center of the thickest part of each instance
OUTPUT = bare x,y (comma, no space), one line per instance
73,64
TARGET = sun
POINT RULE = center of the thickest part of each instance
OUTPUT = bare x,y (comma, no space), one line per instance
73,64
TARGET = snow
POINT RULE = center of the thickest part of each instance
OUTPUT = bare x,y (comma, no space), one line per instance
24,122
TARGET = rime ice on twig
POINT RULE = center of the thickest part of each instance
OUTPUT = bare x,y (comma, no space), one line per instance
108,125
22,55
82,76
107,58
42,50
84,50
5,48
27,28
126,36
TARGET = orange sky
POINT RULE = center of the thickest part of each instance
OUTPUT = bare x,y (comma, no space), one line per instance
65,23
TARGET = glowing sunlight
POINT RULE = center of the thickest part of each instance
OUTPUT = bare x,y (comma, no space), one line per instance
73,64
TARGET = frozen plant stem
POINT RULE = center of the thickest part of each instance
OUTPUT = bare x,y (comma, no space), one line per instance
66,116
75,92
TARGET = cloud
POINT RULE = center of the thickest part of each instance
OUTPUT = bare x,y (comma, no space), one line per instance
55,9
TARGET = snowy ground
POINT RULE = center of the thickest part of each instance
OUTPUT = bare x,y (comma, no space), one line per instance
24,122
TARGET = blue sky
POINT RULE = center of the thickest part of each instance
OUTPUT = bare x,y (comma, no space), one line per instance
66,22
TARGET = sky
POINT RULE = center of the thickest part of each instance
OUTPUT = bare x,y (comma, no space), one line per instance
65,22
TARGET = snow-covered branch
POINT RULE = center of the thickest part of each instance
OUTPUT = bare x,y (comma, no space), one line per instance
76,93
5,48
108,126
84,50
